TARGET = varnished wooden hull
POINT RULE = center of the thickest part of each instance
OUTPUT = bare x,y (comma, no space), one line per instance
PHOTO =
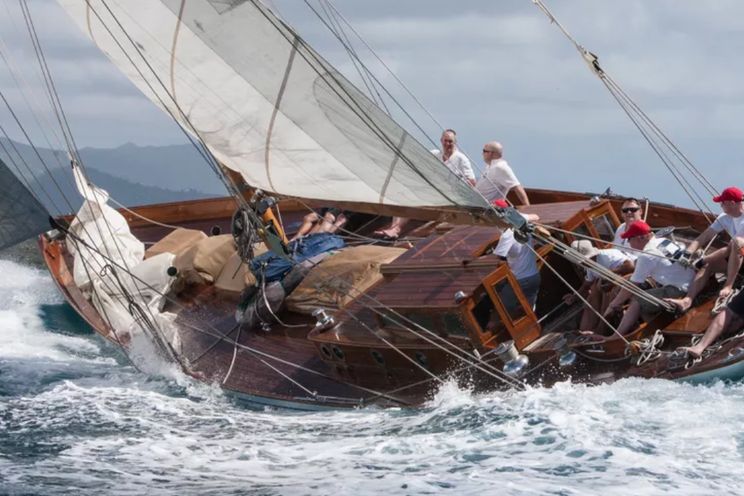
286,369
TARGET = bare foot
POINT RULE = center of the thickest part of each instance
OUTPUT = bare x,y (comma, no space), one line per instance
681,304
693,351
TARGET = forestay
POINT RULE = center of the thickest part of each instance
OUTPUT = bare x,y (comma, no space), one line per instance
266,104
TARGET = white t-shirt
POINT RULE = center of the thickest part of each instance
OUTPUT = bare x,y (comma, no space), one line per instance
497,180
651,263
457,163
520,257
734,226
621,244
610,258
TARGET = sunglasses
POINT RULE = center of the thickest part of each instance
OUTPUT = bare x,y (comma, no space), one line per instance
629,210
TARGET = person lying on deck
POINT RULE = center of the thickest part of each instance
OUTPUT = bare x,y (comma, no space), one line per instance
326,220
673,278
593,288
731,317
726,259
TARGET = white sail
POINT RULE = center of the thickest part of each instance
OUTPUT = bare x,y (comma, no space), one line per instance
265,103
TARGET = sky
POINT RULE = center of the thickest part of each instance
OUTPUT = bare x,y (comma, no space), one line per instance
492,70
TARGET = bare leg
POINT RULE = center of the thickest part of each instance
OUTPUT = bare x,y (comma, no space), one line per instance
719,324
589,317
716,262
732,269
393,231
630,318
307,224
326,224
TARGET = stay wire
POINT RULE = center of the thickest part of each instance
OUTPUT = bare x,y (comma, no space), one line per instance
72,148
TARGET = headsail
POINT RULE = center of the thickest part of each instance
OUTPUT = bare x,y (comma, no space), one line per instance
21,214
265,103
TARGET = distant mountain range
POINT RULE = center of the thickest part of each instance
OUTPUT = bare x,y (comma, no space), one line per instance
133,175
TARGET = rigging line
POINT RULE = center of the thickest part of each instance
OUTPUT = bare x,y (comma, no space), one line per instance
140,216
604,273
22,175
400,107
670,144
348,100
593,62
297,366
576,292
211,159
493,372
217,333
394,348
36,151
234,357
105,315
59,111
681,180
389,70
598,240
338,32
688,188
34,107
353,55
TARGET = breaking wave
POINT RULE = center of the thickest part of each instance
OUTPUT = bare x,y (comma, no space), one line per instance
77,418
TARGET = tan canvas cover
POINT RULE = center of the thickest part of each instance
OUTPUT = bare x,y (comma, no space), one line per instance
236,275
176,242
341,277
203,261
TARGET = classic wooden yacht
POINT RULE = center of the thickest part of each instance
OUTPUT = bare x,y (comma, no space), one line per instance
359,322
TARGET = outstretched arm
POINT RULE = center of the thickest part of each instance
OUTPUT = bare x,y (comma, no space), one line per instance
521,194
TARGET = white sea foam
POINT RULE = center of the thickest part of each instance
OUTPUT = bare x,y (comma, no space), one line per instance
123,432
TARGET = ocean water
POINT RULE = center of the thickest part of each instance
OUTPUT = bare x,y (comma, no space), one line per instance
77,418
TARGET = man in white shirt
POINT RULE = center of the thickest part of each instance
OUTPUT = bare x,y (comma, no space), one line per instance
612,259
521,260
726,259
453,158
498,178
673,278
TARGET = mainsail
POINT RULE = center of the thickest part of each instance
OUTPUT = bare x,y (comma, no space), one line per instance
21,214
265,103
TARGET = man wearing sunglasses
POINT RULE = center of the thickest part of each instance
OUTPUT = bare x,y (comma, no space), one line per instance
673,279
727,259
498,178
631,212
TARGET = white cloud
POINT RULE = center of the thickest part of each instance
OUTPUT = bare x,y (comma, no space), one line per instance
489,69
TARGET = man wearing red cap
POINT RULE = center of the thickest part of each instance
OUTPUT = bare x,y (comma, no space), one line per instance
673,278
726,259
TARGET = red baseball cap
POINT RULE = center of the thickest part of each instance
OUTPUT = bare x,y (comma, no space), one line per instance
729,194
637,228
500,203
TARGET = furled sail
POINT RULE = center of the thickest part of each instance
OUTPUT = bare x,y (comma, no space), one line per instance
265,103
21,214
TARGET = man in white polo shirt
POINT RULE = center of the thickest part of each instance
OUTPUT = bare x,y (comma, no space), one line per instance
453,158
673,278
726,259
498,178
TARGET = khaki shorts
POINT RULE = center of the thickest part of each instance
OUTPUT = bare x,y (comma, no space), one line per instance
650,310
